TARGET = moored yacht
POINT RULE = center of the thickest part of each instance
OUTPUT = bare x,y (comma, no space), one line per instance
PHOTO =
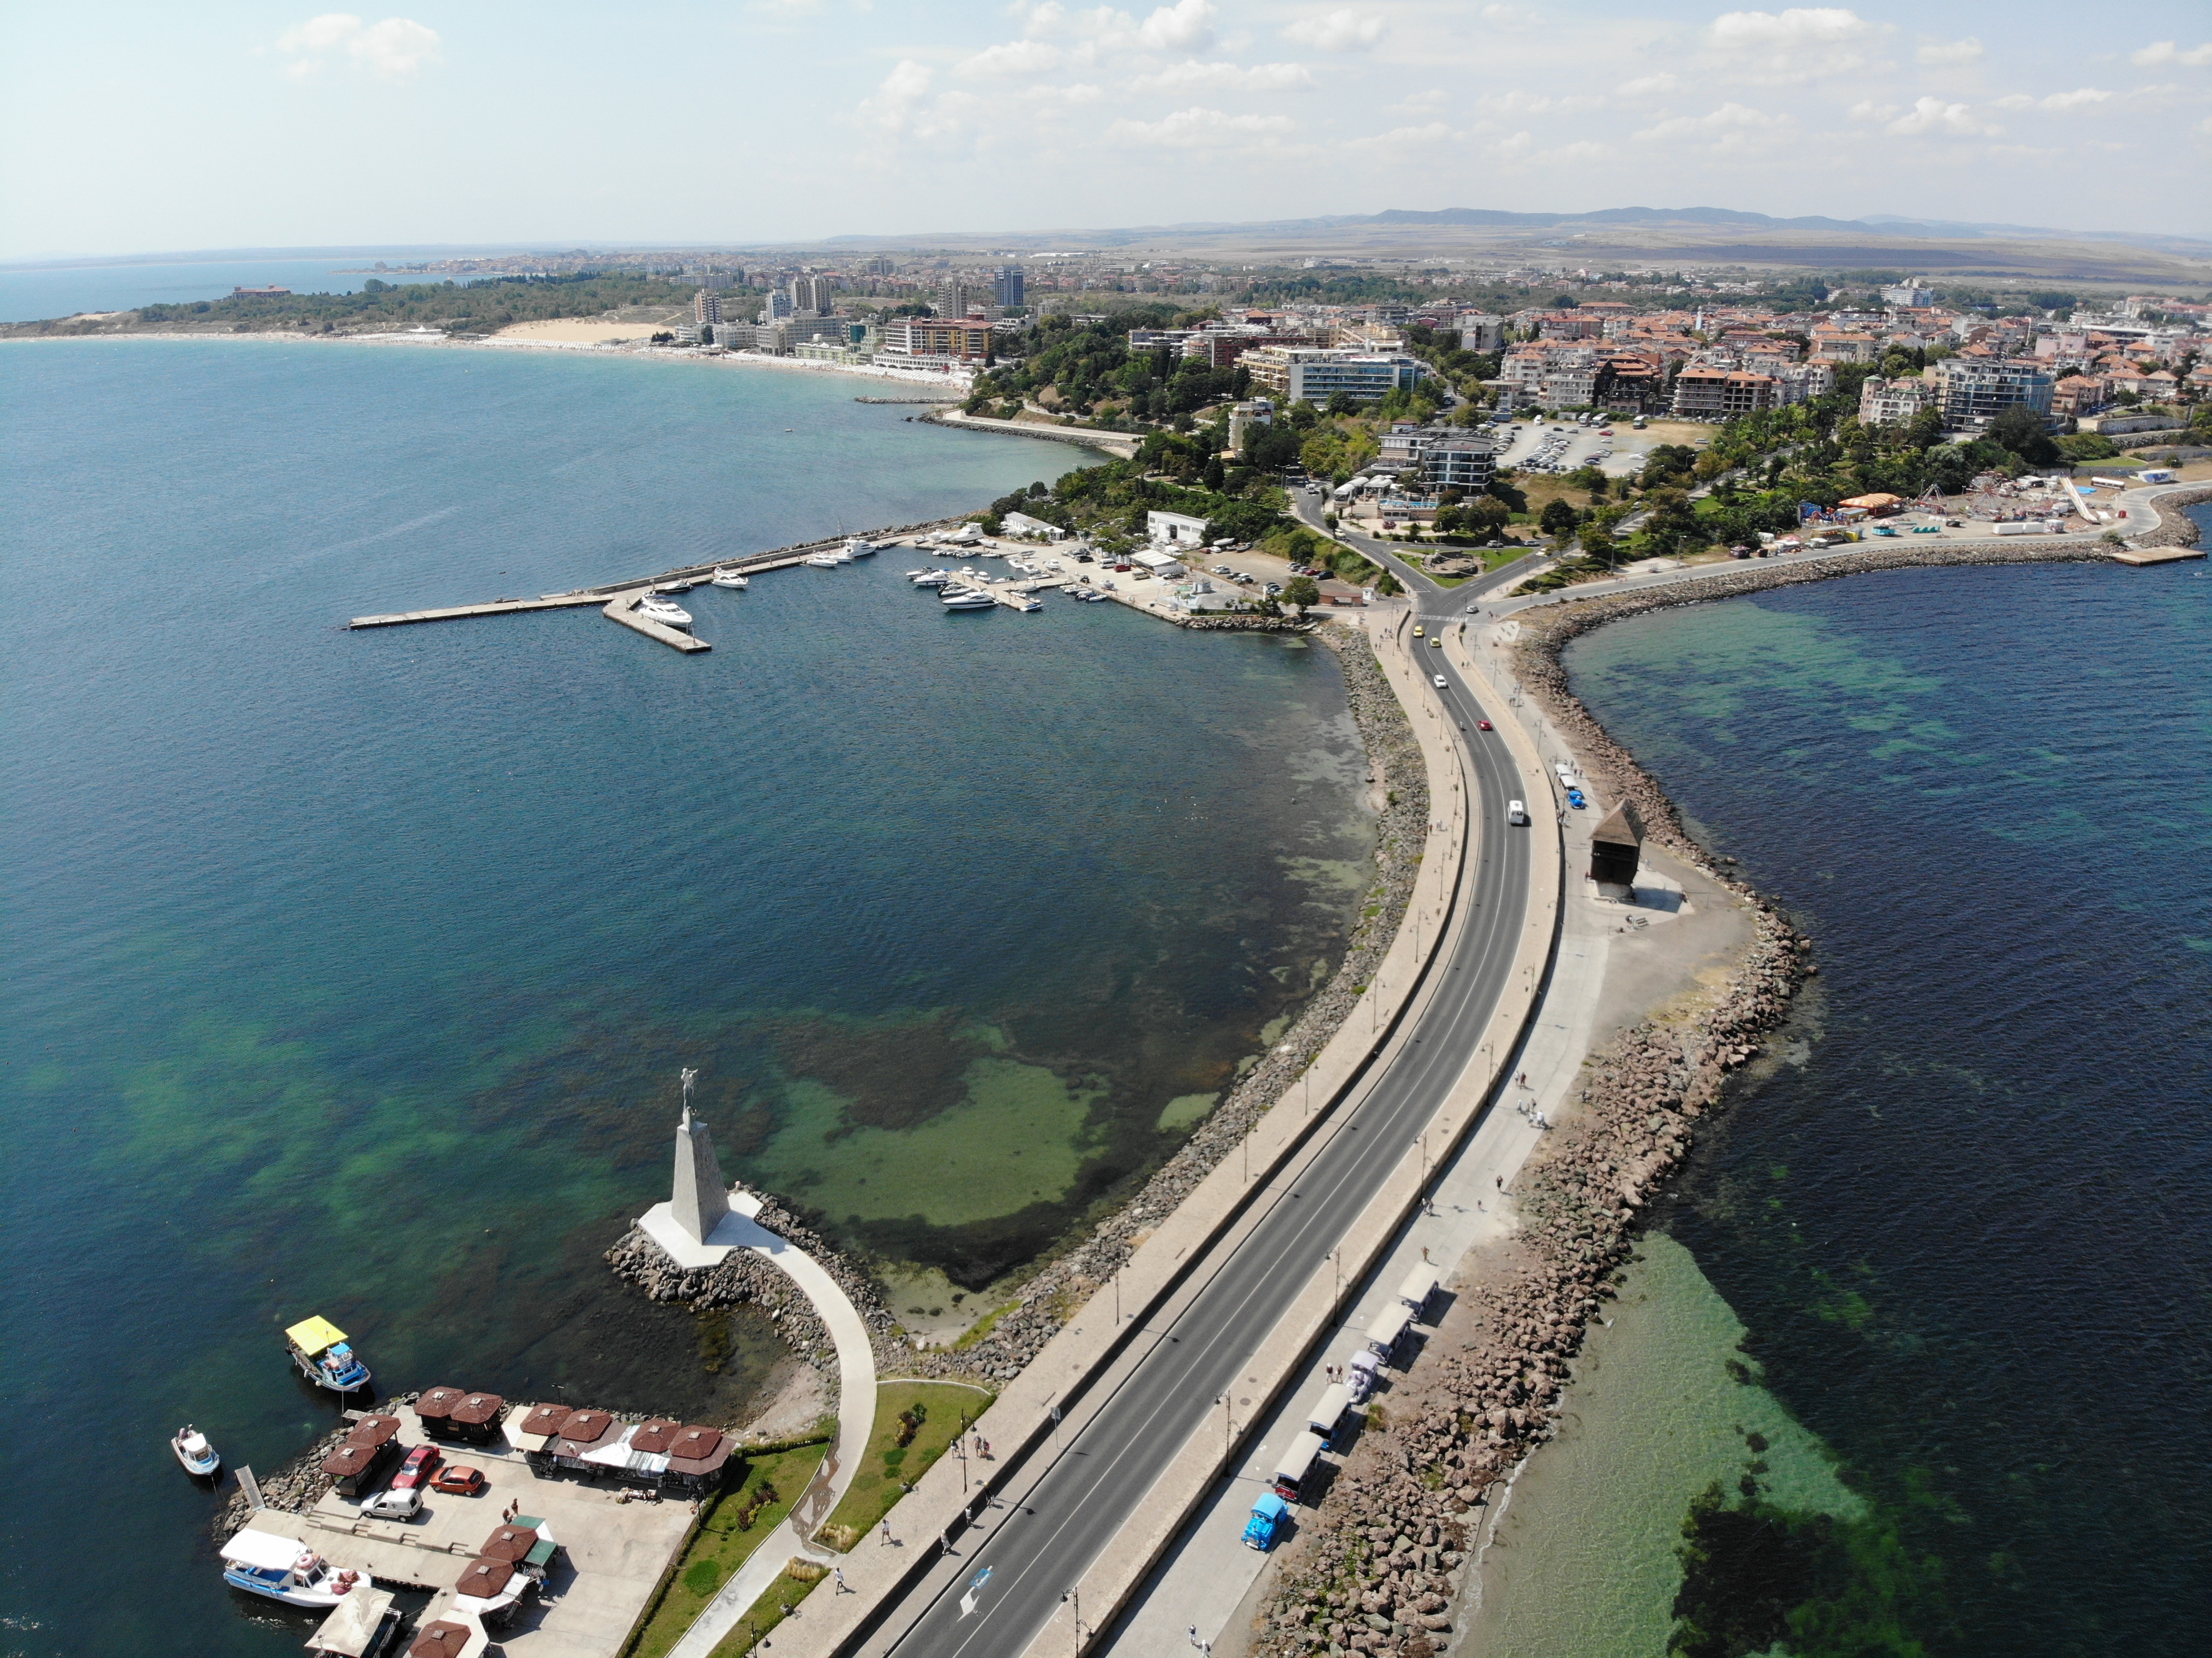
193,1450
861,549
666,612
319,1348
968,598
283,1569
823,560
724,577
931,578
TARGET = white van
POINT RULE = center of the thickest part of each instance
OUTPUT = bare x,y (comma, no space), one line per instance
1517,814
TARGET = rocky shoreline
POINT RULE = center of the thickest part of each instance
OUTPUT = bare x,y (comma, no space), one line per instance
1003,1345
1378,1569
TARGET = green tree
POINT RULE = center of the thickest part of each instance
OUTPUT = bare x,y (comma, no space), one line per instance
2021,429
1558,519
1301,592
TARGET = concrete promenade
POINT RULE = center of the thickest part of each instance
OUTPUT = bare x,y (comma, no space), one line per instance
856,1418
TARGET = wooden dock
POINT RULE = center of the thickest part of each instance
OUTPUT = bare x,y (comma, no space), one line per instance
2156,555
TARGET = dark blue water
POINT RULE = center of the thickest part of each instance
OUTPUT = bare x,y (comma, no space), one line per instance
352,972
1969,1225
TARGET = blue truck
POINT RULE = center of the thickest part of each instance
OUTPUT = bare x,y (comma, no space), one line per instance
1271,1518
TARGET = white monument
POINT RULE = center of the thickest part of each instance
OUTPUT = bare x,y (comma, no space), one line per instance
703,1220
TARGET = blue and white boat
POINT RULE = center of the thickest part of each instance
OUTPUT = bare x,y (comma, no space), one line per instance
283,1569
201,1459
320,1350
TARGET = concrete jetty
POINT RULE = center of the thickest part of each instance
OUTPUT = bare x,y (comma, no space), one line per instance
496,607
622,608
1014,595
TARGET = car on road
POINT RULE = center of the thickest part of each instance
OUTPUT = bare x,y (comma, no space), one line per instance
1482,725
1418,630
403,1498
1442,683
1517,814
1436,643
1270,1519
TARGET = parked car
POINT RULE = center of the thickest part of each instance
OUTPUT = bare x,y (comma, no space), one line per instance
403,1498
1575,800
1271,1517
455,1479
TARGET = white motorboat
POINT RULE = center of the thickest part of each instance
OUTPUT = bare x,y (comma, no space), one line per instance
969,599
193,1450
283,1568
666,612
931,578
727,578
859,549
823,560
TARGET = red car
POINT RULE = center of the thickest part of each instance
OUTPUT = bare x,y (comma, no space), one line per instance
1482,725
456,1480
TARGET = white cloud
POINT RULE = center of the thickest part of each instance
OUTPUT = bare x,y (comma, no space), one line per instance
1340,31
392,50
1225,77
1425,137
893,105
1648,85
1510,17
1933,115
1968,51
1184,26
1190,128
1729,120
1798,28
2166,52
2059,101
1868,110
1013,58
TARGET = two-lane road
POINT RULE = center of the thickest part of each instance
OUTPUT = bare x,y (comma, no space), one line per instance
1099,1480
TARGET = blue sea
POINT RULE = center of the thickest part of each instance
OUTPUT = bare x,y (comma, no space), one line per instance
36,292
352,973
1931,1302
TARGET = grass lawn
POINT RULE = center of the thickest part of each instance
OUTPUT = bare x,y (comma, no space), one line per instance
942,1409
721,1544
787,1591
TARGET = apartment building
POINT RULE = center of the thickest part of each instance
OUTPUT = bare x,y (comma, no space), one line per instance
706,307
1315,375
1893,403
1458,461
1975,391
936,342
1720,394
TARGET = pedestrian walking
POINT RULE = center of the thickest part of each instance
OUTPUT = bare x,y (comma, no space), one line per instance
838,1572
887,1533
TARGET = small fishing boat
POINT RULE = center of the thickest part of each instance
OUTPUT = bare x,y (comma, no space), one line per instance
283,1568
319,1348
192,1450
823,560
969,599
726,578
666,612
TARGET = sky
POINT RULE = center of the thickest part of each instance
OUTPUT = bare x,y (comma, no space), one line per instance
142,127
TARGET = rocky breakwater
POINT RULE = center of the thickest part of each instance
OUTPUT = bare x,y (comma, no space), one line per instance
1378,1569
744,1278
1399,774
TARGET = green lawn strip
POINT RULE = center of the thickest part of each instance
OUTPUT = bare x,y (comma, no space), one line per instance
929,1416
772,1608
720,1545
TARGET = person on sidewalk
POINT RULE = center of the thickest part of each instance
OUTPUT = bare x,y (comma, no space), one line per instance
887,1533
838,1572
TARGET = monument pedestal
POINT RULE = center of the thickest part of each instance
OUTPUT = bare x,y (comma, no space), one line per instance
736,1229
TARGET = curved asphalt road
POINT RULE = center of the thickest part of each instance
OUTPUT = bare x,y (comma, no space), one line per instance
1101,1478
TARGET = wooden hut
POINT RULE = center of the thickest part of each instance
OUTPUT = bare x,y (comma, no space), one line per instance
1616,846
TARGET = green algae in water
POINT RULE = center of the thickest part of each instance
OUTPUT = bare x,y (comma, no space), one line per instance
1662,1407
1017,1138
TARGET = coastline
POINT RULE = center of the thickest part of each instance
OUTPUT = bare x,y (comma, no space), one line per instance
1396,1563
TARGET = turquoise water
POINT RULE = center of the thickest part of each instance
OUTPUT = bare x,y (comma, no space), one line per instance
1961,1233
352,973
